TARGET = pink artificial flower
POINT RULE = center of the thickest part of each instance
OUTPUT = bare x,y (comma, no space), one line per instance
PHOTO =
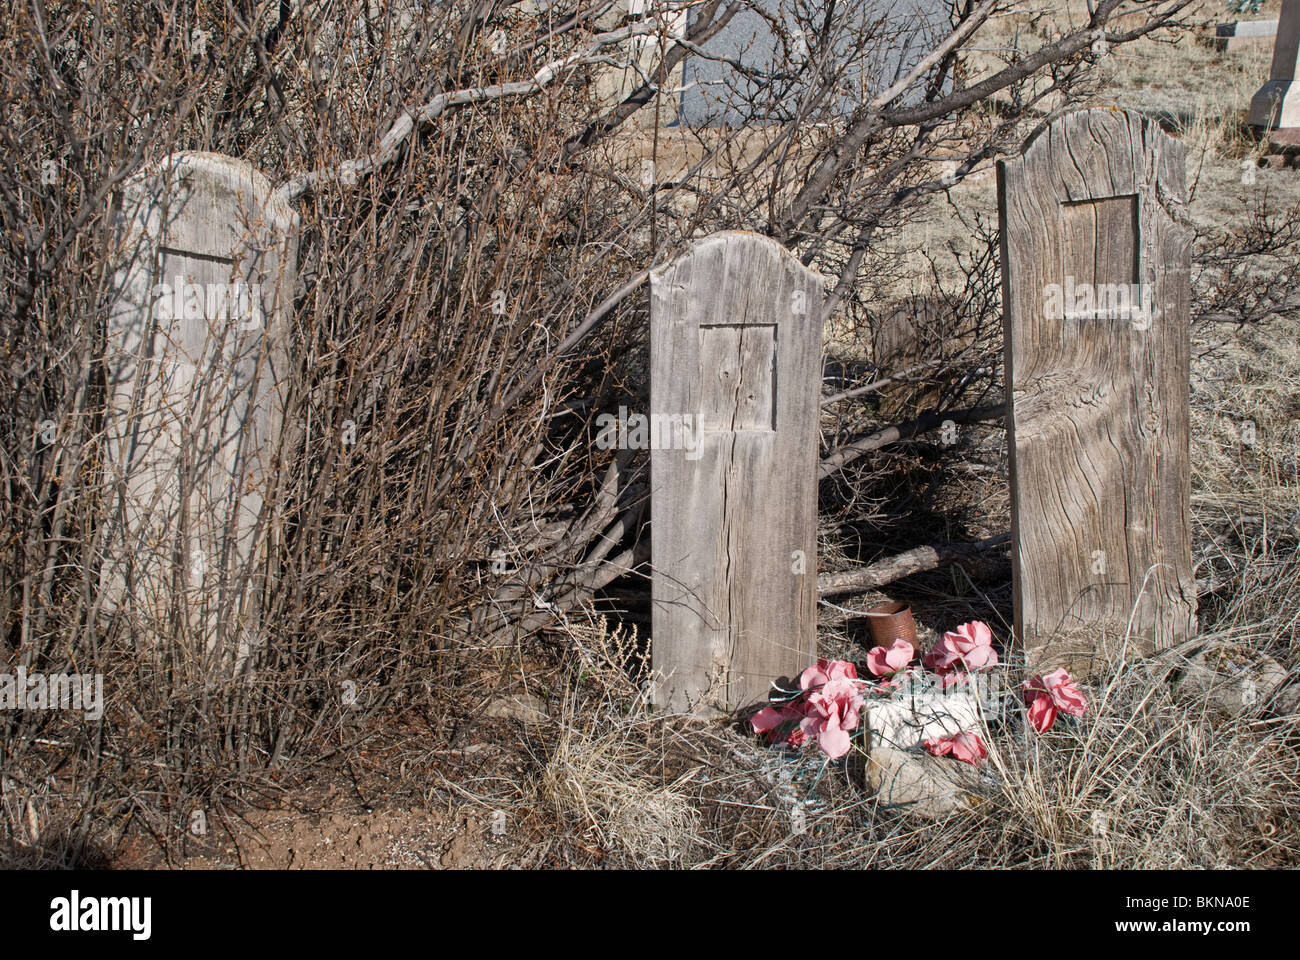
825,671
828,708
1052,693
770,720
967,747
969,647
834,705
885,662
1042,713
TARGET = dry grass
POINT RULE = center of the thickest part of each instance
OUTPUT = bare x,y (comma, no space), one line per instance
1144,781
590,785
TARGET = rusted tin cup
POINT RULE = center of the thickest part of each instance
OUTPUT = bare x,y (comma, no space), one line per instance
890,622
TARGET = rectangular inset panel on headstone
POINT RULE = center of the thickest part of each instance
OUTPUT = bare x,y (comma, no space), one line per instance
738,376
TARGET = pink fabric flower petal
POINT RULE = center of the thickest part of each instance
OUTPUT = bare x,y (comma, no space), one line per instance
1052,693
969,747
938,746
833,707
965,746
1042,713
766,719
814,676
969,647
834,742
883,661
1065,694
824,671
842,670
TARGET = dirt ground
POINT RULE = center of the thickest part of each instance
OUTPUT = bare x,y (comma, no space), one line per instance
390,806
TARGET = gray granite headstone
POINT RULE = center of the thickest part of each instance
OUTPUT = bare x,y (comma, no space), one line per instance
894,36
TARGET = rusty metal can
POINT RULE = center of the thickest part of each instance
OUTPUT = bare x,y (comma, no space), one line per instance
889,622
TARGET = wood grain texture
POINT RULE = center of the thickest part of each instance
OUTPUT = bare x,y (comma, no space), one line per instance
735,339
1098,394
196,357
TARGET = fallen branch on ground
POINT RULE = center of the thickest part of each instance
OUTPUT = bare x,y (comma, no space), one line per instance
905,564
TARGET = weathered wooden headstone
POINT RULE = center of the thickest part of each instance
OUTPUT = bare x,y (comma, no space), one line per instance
196,362
735,352
1276,105
1095,275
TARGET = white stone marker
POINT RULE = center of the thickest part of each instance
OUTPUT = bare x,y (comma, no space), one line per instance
911,720
1243,35
1277,104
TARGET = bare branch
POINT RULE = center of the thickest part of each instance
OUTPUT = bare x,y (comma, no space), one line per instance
905,564
841,457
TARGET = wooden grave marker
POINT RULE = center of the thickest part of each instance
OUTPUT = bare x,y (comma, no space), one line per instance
1096,297
196,363
735,351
